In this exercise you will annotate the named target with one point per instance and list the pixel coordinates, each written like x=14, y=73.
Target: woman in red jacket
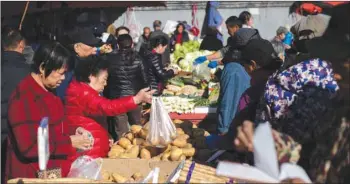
x=87, y=109
x=29, y=103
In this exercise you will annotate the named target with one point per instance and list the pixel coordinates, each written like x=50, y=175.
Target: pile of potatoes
x=134, y=145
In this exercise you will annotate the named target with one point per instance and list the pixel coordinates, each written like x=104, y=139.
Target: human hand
x=244, y=139
x=81, y=142
x=82, y=131
x=175, y=71
x=144, y=95
x=84, y=50
x=213, y=64
x=200, y=60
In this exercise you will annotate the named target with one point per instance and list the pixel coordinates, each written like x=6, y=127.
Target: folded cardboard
x=127, y=167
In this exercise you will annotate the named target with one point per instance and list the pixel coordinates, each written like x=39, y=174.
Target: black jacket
x=126, y=76
x=13, y=69
x=211, y=42
x=238, y=42
x=155, y=69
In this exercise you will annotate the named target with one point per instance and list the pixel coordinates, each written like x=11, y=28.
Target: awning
x=12, y=8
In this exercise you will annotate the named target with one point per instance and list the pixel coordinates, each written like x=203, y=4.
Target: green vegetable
x=177, y=81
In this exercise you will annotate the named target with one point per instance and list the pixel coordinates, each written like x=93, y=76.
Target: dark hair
x=124, y=41
x=245, y=16
x=158, y=40
x=233, y=21
x=11, y=38
x=90, y=66
x=126, y=52
x=177, y=27
x=212, y=31
x=51, y=56
x=121, y=28
x=157, y=23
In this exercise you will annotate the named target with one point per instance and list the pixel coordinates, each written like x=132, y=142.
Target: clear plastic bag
x=86, y=167
x=162, y=131
x=201, y=72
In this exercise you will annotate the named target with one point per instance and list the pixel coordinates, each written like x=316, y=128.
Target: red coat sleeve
x=100, y=106
x=24, y=117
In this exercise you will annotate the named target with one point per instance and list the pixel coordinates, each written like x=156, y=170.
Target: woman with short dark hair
x=179, y=37
x=29, y=103
x=87, y=109
x=157, y=75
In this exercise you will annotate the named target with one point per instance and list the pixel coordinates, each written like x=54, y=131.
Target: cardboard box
x=127, y=167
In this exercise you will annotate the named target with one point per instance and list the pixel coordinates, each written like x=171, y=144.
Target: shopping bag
x=86, y=167
x=202, y=72
x=162, y=131
x=134, y=26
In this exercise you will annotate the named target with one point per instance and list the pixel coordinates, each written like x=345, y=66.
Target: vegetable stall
x=192, y=96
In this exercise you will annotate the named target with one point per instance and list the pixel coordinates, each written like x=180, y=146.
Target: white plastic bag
x=170, y=26
x=162, y=131
x=86, y=167
x=202, y=71
x=134, y=26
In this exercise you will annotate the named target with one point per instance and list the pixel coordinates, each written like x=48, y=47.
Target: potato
x=194, y=126
x=179, y=131
x=206, y=134
x=115, y=153
x=188, y=145
x=143, y=133
x=135, y=129
x=153, y=150
x=129, y=147
x=156, y=158
x=137, y=176
x=145, y=154
x=106, y=176
x=175, y=154
x=117, y=147
x=188, y=152
x=129, y=136
x=182, y=157
x=165, y=156
x=133, y=152
x=155, y=142
x=119, y=178
x=138, y=141
x=146, y=144
x=124, y=142
x=174, y=148
x=146, y=126
x=178, y=142
x=183, y=136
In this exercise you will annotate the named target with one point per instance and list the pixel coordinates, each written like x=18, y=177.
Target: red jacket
x=28, y=104
x=85, y=108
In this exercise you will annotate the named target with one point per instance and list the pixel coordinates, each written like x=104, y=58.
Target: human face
x=99, y=82
x=180, y=29
x=146, y=32
x=54, y=79
x=161, y=49
x=232, y=30
x=282, y=36
x=250, y=22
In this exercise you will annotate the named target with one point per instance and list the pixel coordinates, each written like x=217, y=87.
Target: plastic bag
x=202, y=72
x=86, y=167
x=134, y=26
x=162, y=131
x=170, y=27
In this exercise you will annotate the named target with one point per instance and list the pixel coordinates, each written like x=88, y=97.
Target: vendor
x=156, y=72
x=179, y=37
x=29, y=103
x=85, y=108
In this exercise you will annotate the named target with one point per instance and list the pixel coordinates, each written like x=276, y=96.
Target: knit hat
x=242, y=37
x=282, y=30
x=259, y=50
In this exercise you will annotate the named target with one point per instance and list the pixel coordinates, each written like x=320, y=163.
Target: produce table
x=200, y=114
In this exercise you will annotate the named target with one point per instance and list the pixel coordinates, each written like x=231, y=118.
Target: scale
x=43, y=145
